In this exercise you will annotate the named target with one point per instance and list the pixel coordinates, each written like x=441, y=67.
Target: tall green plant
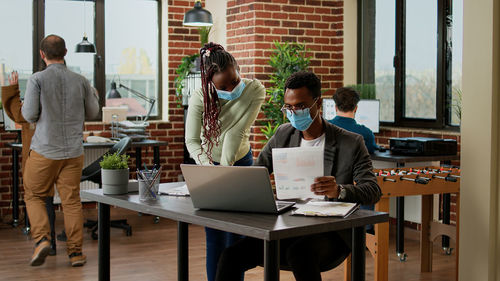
x=188, y=62
x=287, y=58
x=204, y=31
x=366, y=91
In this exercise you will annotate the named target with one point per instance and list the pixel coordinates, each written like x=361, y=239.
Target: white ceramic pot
x=114, y=181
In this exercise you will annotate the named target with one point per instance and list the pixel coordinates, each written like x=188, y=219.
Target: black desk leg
x=358, y=253
x=103, y=242
x=272, y=260
x=446, y=220
x=15, y=187
x=182, y=252
x=156, y=155
x=400, y=228
x=138, y=157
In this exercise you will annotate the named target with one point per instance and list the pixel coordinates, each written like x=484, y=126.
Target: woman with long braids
x=218, y=126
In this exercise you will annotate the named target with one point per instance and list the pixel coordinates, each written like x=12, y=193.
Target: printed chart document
x=295, y=169
x=326, y=209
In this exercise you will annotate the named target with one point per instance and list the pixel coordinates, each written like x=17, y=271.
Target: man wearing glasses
x=347, y=176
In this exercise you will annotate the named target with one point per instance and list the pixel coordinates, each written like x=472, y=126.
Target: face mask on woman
x=301, y=118
x=234, y=94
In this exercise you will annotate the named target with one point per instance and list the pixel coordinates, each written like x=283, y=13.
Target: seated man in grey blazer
x=347, y=176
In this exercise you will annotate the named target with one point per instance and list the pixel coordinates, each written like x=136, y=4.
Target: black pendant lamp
x=85, y=46
x=198, y=16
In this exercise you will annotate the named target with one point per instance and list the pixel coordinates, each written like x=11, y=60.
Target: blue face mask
x=234, y=94
x=301, y=119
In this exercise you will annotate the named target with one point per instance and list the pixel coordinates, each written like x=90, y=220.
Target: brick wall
x=252, y=26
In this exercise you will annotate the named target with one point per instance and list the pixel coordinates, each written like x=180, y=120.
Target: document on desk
x=295, y=169
x=326, y=209
x=169, y=189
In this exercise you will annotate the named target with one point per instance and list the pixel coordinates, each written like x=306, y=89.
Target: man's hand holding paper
x=326, y=186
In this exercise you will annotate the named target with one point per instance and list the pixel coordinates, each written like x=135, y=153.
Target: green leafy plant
x=366, y=91
x=183, y=70
x=287, y=58
x=114, y=161
x=204, y=32
x=188, y=63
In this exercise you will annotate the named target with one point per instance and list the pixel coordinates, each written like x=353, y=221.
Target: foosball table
x=400, y=182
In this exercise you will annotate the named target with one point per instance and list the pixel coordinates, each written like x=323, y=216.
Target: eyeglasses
x=294, y=108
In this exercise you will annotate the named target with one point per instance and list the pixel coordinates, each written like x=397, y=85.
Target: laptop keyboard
x=281, y=205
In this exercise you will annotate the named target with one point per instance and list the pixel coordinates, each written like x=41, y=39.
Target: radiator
x=91, y=154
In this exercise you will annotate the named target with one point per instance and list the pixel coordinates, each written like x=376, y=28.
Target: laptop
x=231, y=188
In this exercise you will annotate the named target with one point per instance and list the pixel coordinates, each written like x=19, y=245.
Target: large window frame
x=100, y=44
x=444, y=109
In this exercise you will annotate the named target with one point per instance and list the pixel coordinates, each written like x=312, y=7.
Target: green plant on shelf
x=286, y=58
x=114, y=161
x=366, y=91
x=188, y=63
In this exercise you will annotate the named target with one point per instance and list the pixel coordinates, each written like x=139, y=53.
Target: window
x=414, y=66
x=421, y=59
x=132, y=51
x=79, y=16
x=457, y=46
x=17, y=43
x=126, y=34
x=385, y=27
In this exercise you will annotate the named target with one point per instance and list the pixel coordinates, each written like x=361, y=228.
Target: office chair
x=93, y=173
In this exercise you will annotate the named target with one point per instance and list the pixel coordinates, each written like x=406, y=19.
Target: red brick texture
x=252, y=26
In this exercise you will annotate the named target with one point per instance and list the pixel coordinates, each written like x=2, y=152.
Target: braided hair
x=214, y=59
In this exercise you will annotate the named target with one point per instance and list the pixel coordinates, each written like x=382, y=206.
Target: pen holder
x=148, y=188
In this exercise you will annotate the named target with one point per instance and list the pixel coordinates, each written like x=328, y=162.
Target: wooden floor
x=150, y=254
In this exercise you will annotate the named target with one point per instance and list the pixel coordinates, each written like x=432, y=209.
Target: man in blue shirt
x=346, y=104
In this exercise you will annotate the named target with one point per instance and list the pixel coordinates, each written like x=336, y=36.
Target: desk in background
x=17, y=147
x=270, y=228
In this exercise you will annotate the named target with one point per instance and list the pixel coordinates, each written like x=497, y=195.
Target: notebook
x=326, y=209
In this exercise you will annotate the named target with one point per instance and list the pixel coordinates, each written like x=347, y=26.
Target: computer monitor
x=9, y=124
x=368, y=113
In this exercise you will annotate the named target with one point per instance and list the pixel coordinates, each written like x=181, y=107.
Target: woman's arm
x=11, y=100
x=193, y=129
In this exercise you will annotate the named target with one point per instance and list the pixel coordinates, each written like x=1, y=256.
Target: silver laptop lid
x=230, y=188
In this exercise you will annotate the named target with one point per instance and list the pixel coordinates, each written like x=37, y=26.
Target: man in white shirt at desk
x=346, y=161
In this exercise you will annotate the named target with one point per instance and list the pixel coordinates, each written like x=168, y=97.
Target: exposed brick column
x=253, y=25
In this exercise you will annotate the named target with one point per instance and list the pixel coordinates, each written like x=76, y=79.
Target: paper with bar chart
x=295, y=169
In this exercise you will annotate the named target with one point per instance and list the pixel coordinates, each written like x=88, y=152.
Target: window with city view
x=421, y=59
x=132, y=52
x=78, y=17
x=411, y=50
x=16, y=52
x=385, y=30
x=457, y=46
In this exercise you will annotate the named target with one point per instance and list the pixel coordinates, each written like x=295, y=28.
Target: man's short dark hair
x=346, y=99
x=304, y=79
x=53, y=47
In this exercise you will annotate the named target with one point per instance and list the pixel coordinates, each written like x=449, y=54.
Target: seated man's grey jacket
x=345, y=157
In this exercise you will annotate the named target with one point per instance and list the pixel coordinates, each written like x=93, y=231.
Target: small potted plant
x=115, y=173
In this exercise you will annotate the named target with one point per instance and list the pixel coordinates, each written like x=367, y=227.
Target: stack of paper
x=169, y=189
x=326, y=209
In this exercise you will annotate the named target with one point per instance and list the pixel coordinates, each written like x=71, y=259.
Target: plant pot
x=115, y=181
